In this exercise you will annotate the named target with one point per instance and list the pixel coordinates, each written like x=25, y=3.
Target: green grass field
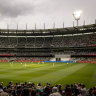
x=59, y=73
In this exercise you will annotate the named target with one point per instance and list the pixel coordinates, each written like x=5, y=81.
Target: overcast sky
x=31, y=12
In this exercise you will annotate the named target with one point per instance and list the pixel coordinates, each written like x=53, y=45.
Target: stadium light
x=77, y=15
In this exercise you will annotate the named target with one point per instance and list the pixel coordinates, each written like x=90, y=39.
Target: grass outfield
x=60, y=73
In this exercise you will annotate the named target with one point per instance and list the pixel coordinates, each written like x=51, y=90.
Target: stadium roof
x=50, y=32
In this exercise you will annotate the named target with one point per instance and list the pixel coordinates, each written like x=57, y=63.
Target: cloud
x=45, y=11
x=15, y=8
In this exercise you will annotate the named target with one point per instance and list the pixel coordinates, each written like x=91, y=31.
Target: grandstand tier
x=24, y=44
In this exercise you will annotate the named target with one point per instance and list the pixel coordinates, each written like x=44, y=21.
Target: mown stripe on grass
x=27, y=70
x=92, y=81
x=83, y=75
x=39, y=73
x=20, y=67
x=45, y=70
x=14, y=74
x=56, y=76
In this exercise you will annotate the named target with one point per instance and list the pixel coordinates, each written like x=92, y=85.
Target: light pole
x=77, y=15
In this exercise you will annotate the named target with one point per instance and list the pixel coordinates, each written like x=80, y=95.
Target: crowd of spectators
x=42, y=53
x=31, y=89
x=41, y=42
x=83, y=59
x=26, y=58
x=45, y=42
x=76, y=53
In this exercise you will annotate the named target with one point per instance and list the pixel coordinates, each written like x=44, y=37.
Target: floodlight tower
x=77, y=15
